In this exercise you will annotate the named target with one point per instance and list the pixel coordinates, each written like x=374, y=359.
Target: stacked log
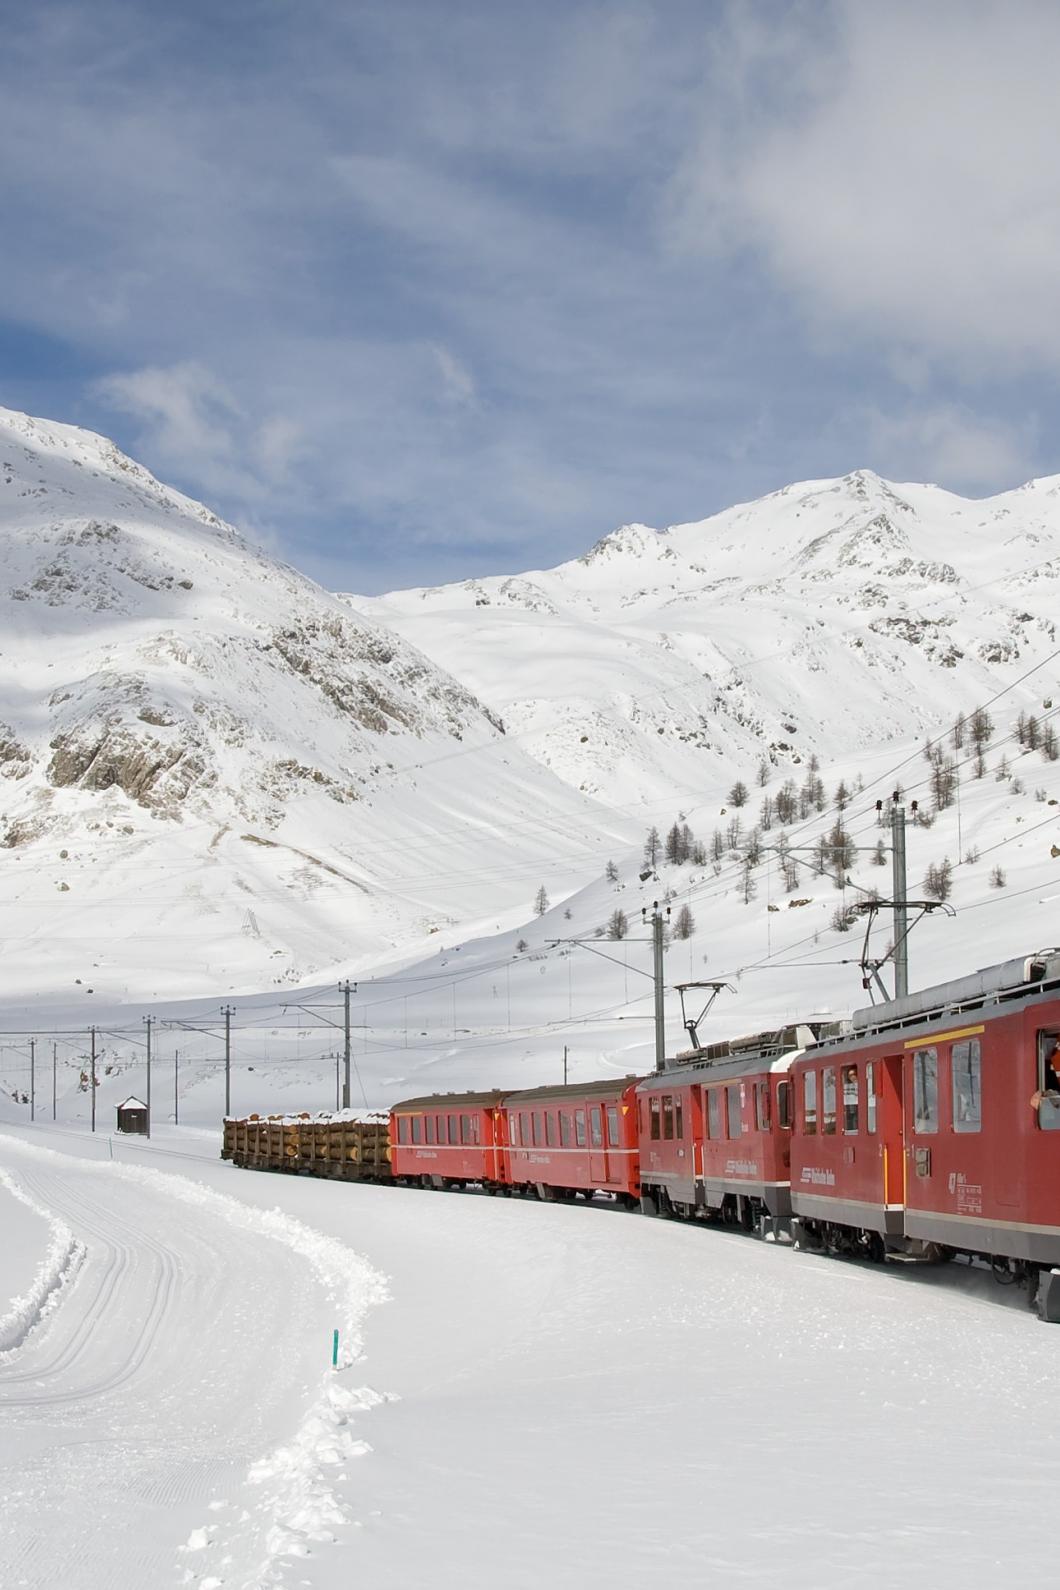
x=343, y=1146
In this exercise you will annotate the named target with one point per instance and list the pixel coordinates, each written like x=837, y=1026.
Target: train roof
x=439, y=1102
x=1013, y=979
x=609, y=1087
x=762, y=1047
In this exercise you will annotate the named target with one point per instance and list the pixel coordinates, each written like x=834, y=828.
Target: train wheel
x=648, y=1205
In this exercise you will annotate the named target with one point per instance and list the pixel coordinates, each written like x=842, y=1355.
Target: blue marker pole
x=334, y=1349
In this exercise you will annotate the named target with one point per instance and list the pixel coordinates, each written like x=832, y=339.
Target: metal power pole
x=176, y=1087
x=227, y=1012
x=92, y=1030
x=564, y=1065
x=33, y=1079
x=898, y=887
x=657, y=978
x=147, y=1023
x=346, y=989
x=55, y=1083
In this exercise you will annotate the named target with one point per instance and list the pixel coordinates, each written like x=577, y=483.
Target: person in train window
x=1046, y=1100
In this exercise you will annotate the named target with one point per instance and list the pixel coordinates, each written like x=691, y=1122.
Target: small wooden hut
x=132, y=1117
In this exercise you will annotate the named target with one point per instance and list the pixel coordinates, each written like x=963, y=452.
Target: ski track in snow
x=56, y=1267
x=185, y=1348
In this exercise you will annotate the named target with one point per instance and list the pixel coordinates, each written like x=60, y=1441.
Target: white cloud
x=903, y=180
x=947, y=443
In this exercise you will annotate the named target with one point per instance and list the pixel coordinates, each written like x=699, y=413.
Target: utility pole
x=338, y=1085
x=657, y=920
x=33, y=1079
x=92, y=1030
x=147, y=1023
x=898, y=888
x=55, y=1085
x=346, y=989
x=176, y=1091
x=227, y=1012
x=564, y=1065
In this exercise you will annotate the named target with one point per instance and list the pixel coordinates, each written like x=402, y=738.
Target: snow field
x=184, y=1385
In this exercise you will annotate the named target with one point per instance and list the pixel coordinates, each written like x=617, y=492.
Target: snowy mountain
x=661, y=656
x=210, y=769
x=218, y=779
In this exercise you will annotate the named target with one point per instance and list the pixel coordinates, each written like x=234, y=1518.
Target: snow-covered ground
x=571, y=1397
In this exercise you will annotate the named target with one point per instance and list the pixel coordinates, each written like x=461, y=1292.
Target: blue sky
x=423, y=289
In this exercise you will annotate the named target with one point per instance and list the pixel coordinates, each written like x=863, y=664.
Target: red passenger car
x=714, y=1130
x=579, y=1138
x=935, y=1127
x=448, y=1140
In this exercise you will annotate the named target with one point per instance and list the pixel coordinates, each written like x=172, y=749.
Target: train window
x=679, y=1118
x=714, y=1112
x=550, y=1129
x=535, y=1128
x=454, y=1129
x=926, y=1090
x=614, y=1140
x=524, y=1128
x=443, y=1130
x=733, y=1110
x=1048, y=1094
x=579, y=1128
x=653, y=1105
x=564, y=1129
x=476, y=1129
x=668, y=1117
x=403, y=1129
x=762, y=1106
x=417, y=1128
x=465, y=1129
x=809, y=1103
x=784, y=1106
x=428, y=1129
x=870, y=1096
x=828, y=1101
x=596, y=1127
x=966, y=1068
x=850, y=1098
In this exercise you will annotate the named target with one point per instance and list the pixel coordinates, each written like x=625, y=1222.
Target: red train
x=923, y=1128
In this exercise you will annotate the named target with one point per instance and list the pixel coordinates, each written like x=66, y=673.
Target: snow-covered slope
x=212, y=773
x=640, y=668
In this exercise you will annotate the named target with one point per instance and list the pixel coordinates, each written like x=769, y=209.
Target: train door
x=891, y=1126
x=499, y=1157
x=924, y=1082
x=613, y=1142
x=597, y=1151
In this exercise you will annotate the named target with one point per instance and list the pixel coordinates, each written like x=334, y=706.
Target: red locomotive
x=715, y=1129
x=933, y=1128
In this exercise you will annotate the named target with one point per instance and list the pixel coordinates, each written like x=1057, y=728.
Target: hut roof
x=133, y=1103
